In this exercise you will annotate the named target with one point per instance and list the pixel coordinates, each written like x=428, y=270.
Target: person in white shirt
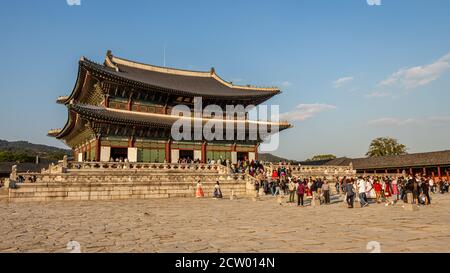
x=362, y=189
x=431, y=183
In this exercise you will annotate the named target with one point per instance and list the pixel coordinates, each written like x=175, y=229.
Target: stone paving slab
x=210, y=226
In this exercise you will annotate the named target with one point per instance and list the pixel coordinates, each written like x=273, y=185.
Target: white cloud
x=378, y=94
x=341, y=81
x=286, y=84
x=440, y=118
x=236, y=80
x=391, y=122
x=305, y=111
x=413, y=77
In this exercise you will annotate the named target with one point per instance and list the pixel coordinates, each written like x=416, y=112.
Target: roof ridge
x=111, y=61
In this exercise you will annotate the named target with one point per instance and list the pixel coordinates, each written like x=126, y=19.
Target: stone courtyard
x=208, y=225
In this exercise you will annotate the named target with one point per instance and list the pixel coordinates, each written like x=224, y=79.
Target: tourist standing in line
x=319, y=184
x=217, y=191
x=326, y=192
x=416, y=191
x=431, y=184
x=350, y=194
x=291, y=191
x=337, y=185
x=309, y=188
x=362, y=189
x=426, y=192
x=395, y=189
x=377, y=187
x=277, y=188
x=300, y=192
x=257, y=189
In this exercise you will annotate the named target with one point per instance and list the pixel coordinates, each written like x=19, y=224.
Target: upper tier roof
x=183, y=82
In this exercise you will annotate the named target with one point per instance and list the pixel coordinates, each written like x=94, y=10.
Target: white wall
x=233, y=157
x=132, y=155
x=80, y=157
x=197, y=154
x=174, y=155
x=105, y=154
x=251, y=156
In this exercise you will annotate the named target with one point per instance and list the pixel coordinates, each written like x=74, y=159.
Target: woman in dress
x=377, y=187
x=308, y=188
x=388, y=192
x=199, y=192
x=395, y=189
x=217, y=191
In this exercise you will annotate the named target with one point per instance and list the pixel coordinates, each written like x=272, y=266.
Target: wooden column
x=83, y=151
x=204, y=152
x=131, y=141
x=97, y=149
x=168, y=151
x=398, y=171
x=448, y=176
x=424, y=171
x=106, y=101
x=439, y=171
x=89, y=151
x=386, y=171
x=130, y=104
x=411, y=171
x=256, y=151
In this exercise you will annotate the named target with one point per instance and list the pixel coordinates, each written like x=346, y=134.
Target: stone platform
x=153, y=181
x=122, y=186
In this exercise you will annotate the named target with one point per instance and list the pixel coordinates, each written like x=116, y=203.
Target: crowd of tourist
x=379, y=189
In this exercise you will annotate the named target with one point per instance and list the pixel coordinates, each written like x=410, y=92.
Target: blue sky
x=349, y=72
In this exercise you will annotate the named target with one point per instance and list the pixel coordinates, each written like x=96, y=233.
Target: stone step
x=65, y=190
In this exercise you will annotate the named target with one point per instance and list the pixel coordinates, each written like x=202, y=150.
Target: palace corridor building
x=122, y=109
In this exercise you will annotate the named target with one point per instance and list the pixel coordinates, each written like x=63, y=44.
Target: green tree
x=7, y=156
x=383, y=146
x=322, y=157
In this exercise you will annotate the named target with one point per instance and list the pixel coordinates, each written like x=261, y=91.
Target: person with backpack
x=300, y=192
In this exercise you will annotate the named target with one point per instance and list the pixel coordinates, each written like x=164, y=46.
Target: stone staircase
x=128, y=181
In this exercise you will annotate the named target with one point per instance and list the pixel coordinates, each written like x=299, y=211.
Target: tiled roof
x=396, y=161
x=137, y=118
x=181, y=82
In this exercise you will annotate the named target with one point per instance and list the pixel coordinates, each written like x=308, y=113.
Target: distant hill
x=272, y=158
x=23, y=151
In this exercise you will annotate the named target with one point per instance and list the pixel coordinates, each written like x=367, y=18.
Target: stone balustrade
x=122, y=166
x=305, y=171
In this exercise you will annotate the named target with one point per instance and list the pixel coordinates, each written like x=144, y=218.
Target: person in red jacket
x=377, y=187
x=300, y=192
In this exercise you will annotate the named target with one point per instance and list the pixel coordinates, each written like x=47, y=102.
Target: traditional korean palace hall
x=121, y=109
